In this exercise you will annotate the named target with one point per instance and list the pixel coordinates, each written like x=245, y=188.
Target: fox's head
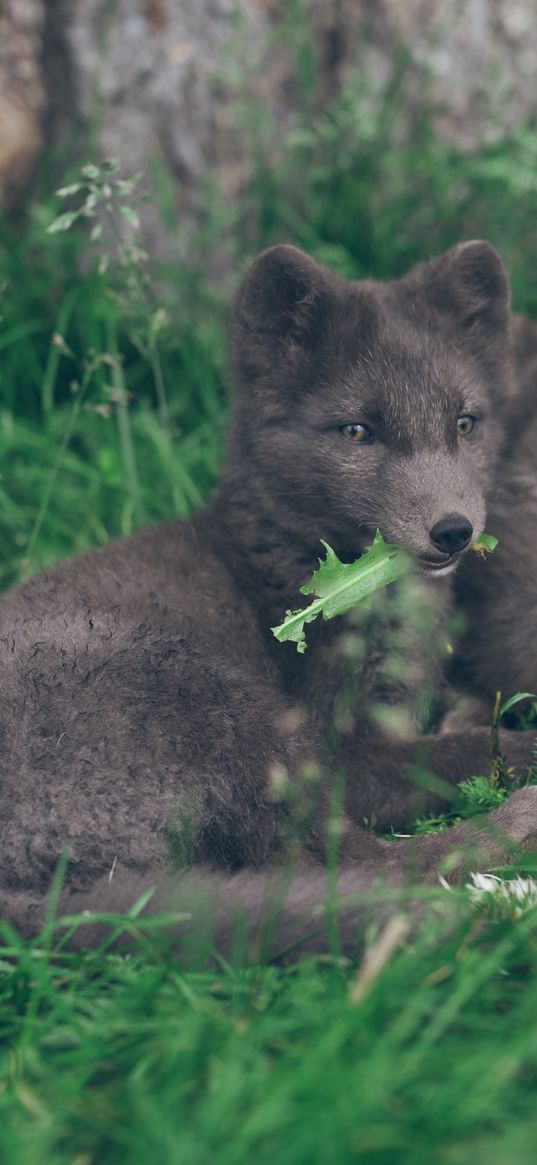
x=365, y=405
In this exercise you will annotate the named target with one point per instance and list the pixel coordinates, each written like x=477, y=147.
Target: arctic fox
x=149, y=720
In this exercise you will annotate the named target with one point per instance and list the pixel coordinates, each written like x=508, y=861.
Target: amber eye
x=359, y=433
x=465, y=425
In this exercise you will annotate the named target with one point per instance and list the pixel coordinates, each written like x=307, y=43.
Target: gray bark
x=164, y=81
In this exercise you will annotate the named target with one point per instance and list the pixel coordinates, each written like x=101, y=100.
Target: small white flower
x=518, y=893
x=484, y=884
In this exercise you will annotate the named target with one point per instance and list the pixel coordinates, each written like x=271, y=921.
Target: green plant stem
x=51, y=482
x=497, y=770
x=124, y=426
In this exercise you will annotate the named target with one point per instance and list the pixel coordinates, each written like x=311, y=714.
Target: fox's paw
x=480, y=843
x=517, y=819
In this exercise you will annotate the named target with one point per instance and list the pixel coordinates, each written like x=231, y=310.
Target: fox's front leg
x=390, y=783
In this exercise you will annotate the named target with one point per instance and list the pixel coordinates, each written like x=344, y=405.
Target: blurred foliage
x=366, y=185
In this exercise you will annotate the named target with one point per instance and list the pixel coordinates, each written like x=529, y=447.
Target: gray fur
x=499, y=649
x=149, y=720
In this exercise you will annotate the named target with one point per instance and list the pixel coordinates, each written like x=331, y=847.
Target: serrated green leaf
x=339, y=586
x=485, y=544
x=292, y=628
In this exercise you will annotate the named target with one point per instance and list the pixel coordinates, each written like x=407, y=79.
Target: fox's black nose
x=451, y=534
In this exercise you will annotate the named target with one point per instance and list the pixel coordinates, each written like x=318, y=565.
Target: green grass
x=108, y=1059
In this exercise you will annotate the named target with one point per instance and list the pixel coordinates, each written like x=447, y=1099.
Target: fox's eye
x=359, y=433
x=465, y=425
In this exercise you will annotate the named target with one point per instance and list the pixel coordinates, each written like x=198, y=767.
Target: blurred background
x=184, y=136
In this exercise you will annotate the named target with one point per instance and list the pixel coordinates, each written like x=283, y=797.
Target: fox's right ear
x=479, y=286
x=279, y=310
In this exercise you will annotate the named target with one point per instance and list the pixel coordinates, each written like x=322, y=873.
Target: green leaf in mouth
x=339, y=586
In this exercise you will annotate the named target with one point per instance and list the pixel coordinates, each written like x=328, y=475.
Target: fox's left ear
x=477, y=287
x=281, y=309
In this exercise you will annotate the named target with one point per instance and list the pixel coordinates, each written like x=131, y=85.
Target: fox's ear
x=279, y=310
x=478, y=286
